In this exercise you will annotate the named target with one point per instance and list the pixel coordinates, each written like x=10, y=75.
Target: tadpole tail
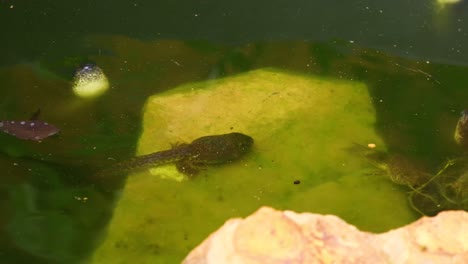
x=141, y=163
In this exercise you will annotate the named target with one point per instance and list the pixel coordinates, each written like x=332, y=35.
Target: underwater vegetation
x=429, y=194
x=446, y=190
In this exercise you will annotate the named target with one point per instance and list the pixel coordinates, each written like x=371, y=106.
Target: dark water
x=411, y=54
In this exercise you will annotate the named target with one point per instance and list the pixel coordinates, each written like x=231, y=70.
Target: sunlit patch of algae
x=303, y=127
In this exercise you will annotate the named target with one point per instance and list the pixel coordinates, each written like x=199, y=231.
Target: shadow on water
x=55, y=210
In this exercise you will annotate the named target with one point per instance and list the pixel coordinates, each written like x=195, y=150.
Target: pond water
x=411, y=55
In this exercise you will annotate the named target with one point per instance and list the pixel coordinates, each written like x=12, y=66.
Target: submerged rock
x=303, y=126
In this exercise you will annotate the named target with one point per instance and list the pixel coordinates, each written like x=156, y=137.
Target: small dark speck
x=297, y=182
x=231, y=128
x=120, y=244
x=150, y=221
x=154, y=248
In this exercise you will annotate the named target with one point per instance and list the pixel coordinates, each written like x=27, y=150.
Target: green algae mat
x=303, y=128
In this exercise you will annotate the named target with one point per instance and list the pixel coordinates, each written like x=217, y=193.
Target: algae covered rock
x=303, y=128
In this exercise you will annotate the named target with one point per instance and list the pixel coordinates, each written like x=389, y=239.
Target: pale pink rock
x=271, y=236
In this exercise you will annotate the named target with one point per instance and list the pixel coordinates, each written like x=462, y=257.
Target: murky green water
x=53, y=209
